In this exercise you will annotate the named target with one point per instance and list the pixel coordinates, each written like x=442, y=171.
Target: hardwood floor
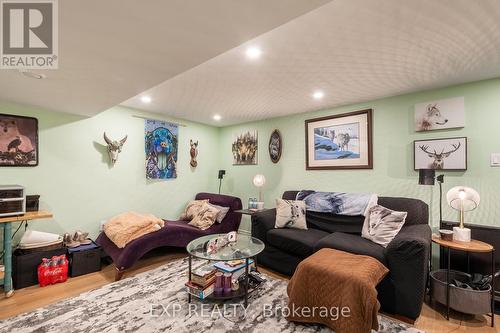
x=28, y=299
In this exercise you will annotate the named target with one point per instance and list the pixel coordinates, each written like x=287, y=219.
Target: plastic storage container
x=84, y=259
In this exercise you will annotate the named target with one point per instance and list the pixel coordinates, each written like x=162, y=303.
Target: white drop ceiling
x=112, y=50
x=189, y=56
x=352, y=50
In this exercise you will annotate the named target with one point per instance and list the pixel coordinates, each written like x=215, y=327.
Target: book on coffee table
x=198, y=291
x=204, y=275
x=228, y=267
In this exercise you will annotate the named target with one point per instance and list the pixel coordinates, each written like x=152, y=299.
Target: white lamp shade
x=259, y=180
x=467, y=196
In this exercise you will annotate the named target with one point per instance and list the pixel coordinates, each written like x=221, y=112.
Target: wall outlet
x=495, y=159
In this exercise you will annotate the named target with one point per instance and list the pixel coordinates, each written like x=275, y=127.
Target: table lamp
x=463, y=199
x=259, y=181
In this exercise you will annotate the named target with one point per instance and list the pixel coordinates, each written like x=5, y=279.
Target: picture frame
x=440, y=114
x=245, y=147
x=18, y=141
x=161, y=143
x=342, y=141
x=441, y=154
x=275, y=146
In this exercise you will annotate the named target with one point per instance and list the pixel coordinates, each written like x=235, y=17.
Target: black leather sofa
x=407, y=257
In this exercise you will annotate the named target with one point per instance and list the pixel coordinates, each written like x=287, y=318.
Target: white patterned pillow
x=290, y=214
x=205, y=217
x=382, y=224
x=222, y=214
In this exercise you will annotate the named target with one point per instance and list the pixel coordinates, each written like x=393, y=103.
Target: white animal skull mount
x=114, y=147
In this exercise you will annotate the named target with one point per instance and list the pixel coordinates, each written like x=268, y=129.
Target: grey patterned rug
x=155, y=301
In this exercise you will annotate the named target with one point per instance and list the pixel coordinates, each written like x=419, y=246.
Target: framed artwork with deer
x=441, y=154
x=342, y=141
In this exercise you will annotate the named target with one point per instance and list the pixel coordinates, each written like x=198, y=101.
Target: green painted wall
x=77, y=184
x=79, y=187
x=393, y=135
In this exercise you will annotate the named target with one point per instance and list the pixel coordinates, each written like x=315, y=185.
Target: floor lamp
x=221, y=176
x=428, y=177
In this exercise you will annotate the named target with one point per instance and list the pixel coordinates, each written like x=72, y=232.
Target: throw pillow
x=290, y=214
x=382, y=224
x=192, y=208
x=222, y=214
x=205, y=217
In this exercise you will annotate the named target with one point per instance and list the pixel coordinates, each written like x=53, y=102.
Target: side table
x=250, y=211
x=6, y=223
x=473, y=246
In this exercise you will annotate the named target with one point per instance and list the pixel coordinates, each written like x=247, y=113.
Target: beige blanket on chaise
x=124, y=228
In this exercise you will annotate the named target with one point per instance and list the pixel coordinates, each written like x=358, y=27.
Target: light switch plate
x=495, y=159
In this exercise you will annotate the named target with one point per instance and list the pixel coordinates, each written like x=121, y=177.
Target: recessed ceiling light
x=217, y=117
x=318, y=94
x=146, y=99
x=32, y=75
x=253, y=52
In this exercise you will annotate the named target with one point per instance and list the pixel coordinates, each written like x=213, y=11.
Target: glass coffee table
x=245, y=248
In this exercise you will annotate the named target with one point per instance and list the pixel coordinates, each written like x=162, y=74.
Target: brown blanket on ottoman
x=337, y=289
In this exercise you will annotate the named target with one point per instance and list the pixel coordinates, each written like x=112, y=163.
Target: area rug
x=156, y=301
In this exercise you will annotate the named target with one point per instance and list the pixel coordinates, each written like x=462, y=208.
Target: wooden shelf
x=472, y=246
x=26, y=217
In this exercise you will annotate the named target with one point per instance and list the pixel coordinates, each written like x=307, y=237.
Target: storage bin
x=462, y=300
x=84, y=259
x=25, y=266
x=32, y=203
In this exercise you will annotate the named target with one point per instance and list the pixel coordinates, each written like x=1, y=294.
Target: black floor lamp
x=221, y=175
x=428, y=177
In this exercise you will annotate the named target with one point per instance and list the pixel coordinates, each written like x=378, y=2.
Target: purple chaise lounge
x=174, y=233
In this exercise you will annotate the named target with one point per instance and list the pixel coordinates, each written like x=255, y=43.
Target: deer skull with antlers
x=438, y=162
x=114, y=147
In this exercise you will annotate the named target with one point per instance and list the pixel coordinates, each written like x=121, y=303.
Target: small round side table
x=474, y=246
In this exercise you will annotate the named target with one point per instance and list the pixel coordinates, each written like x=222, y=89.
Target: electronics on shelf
x=12, y=200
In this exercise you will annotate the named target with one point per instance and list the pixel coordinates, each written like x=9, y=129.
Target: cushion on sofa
x=383, y=224
x=192, y=208
x=334, y=223
x=330, y=222
x=205, y=217
x=222, y=212
x=290, y=214
x=296, y=241
x=418, y=211
x=353, y=244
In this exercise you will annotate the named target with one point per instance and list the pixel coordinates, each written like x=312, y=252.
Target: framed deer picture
x=342, y=141
x=441, y=154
